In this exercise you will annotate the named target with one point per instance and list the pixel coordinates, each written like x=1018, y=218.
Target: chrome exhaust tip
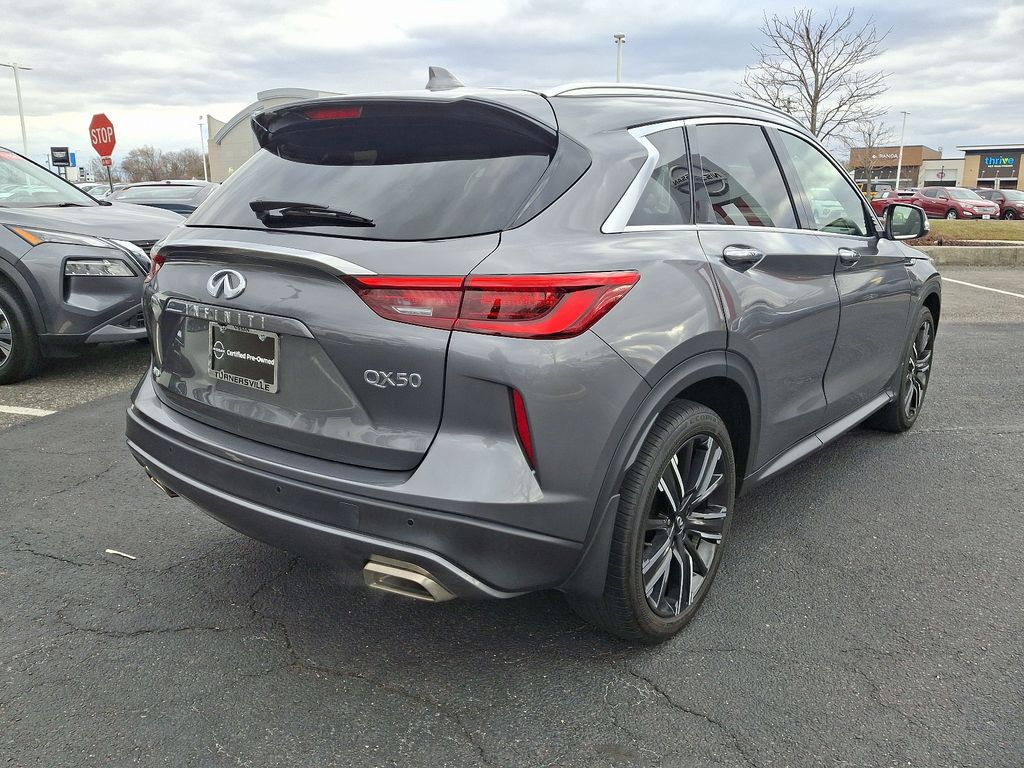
x=162, y=487
x=404, y=579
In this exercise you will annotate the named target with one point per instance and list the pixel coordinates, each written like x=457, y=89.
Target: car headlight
x=34, y=237
x=137, y=253
x=97, y=268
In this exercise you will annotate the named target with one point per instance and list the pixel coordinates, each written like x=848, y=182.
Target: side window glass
x=835, y=204
x=666, y=198
x=737, y=179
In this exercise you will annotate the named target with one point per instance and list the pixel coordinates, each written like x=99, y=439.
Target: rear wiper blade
x=285, y=213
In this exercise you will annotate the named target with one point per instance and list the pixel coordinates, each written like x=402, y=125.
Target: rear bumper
x=469, y=557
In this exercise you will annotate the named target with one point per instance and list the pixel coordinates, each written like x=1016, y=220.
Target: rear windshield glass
x=417, y=170
x=162, y=192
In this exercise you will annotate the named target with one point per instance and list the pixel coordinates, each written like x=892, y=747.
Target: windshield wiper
x=284, y=213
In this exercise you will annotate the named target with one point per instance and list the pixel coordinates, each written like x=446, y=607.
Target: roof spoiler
x=440, y=79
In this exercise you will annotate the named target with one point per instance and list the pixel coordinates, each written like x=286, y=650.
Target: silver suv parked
x=483, y=342
x=71, y=267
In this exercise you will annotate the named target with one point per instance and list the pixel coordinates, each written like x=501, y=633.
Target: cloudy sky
x=155, y=67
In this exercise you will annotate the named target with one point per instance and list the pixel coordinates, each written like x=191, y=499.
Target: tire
x=19, y=347
x=914, y=374
x=1009, y=215
x=664, y=542
x=952, y=214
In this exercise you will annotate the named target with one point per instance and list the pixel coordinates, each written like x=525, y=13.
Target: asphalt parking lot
x=869, y=611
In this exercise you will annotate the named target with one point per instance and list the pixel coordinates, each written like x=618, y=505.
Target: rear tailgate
x=418, y=185
x=324, y=375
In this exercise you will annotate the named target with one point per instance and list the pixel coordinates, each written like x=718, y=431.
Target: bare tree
x=183, y=164
x=814, y=68
x=143, y=164
x=865, y=139
x=99, y=171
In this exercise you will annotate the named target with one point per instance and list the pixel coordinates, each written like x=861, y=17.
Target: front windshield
x=24, y=184
x=1013, y=195
x=964, y=194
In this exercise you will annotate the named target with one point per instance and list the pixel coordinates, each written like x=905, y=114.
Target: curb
x=975, y=256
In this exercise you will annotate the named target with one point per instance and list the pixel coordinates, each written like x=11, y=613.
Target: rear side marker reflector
x=522, y=427
x=522, y=306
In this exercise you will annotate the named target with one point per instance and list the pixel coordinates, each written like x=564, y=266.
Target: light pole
x=202, y=150
x=899, y=162
x=620, y=39
x=21, y=110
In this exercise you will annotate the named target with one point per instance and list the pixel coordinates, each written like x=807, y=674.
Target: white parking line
x=983, y=287
x=18, y=411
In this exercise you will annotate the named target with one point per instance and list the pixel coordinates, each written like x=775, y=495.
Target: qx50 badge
x=225, y=282
x=385, y=379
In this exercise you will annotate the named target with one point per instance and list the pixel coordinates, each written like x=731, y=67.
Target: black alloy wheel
x=685, y=525
x=6, y=338
x=918, y=368
x=911, y=380
x=672, y=521
x=19, y=344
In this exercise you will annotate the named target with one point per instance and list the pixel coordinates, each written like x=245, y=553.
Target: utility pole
x=620, y=39
x=202, y=149
x=21, y=110
x=899, y=162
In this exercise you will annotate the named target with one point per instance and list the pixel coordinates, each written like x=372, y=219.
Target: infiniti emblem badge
x=227, y=283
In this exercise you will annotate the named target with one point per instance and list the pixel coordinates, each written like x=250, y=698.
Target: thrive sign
x=1000, y=161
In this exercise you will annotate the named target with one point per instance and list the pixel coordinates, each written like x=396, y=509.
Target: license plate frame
x=986, y=215
x=232, y=368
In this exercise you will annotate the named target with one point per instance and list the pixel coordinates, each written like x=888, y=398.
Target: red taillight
x=334, y=113
x=430, y=301
x=523, y=306
x=155, y=262
x=522, y=427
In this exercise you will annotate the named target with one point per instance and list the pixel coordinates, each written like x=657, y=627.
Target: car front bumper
x=83, y=309
x=345, y=523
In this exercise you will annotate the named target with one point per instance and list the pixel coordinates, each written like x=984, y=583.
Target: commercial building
x=996, y=166
x=944, y=172
x=875, y=168
x=987, y=165
x=232, y=142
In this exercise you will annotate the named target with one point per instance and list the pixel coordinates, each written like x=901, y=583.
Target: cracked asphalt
x=870, y=612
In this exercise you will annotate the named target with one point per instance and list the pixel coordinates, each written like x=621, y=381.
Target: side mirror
x=905, y=222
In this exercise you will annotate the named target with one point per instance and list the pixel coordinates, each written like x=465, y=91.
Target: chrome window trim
x=623, y=210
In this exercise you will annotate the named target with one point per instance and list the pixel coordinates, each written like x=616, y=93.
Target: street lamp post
x=202, y=150
x=620, y=39
x=21, y=110
x=899, y=162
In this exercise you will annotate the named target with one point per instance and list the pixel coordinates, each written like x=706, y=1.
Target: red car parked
x=886, y=198
x=1010, y=201
x=954, y=203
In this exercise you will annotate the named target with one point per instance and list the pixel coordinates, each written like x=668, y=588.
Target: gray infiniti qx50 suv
x=480, y=342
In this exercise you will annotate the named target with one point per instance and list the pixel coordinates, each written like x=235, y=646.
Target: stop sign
x=101, y=134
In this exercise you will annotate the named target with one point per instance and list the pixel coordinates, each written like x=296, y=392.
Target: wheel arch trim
x=28, y=296
x=588, y=577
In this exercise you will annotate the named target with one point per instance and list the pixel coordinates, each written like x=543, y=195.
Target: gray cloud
x=160, y=64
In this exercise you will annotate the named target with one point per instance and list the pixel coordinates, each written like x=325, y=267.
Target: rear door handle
x=741, y=257
x=848, y=257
